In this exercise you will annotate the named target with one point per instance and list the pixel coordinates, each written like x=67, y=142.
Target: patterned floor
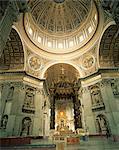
x=91, y=144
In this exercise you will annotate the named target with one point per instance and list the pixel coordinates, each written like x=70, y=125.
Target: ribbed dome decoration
x=59, y=16
x=61, y=26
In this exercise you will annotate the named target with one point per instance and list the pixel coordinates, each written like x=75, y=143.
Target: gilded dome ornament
x=61, y=26
x=34, y=63
x=88, y=62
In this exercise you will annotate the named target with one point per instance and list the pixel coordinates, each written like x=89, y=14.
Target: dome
x=52, y=25
x=59, y=16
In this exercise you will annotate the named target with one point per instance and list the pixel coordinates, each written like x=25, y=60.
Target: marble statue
x=29, y=98
x=26, y=124
x=4, y=121
x=10, y=93
x=96, y=95
x=114, y=86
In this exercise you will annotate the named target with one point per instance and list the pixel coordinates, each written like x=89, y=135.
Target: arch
x=105, y=28
x=109, y=46
x=21, y=38
x=13, y=54
x=64, y=62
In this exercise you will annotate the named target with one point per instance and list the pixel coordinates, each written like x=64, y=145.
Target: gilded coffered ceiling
x=109, y=48
x=58, y=16
x=13, y=54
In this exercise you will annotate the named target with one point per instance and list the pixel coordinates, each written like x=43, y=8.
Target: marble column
x=52, y=116
x=77, y=111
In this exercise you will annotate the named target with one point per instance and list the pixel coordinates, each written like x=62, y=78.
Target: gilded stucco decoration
x=61, y=27
x=59, y=17
x=88, y=62
x=35, y=63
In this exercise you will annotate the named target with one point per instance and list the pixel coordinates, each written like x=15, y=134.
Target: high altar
x=64, y=118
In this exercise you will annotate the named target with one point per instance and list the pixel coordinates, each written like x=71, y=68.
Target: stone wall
x=23, y=112
x=100, y=104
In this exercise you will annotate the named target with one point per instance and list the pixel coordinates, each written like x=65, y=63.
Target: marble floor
x=92, y=144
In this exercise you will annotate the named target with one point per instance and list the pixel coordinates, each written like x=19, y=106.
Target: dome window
x=81, y=38
x=71, y=43
x=49, y=44
x=90, y=29
x=30, y=31
x=39, y=39
x=60, y=45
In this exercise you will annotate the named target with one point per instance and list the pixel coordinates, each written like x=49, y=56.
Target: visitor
x=87, y=134
x=108, y=133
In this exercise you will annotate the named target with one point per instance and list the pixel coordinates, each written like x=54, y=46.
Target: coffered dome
x=59, y=16
x=60, y=24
